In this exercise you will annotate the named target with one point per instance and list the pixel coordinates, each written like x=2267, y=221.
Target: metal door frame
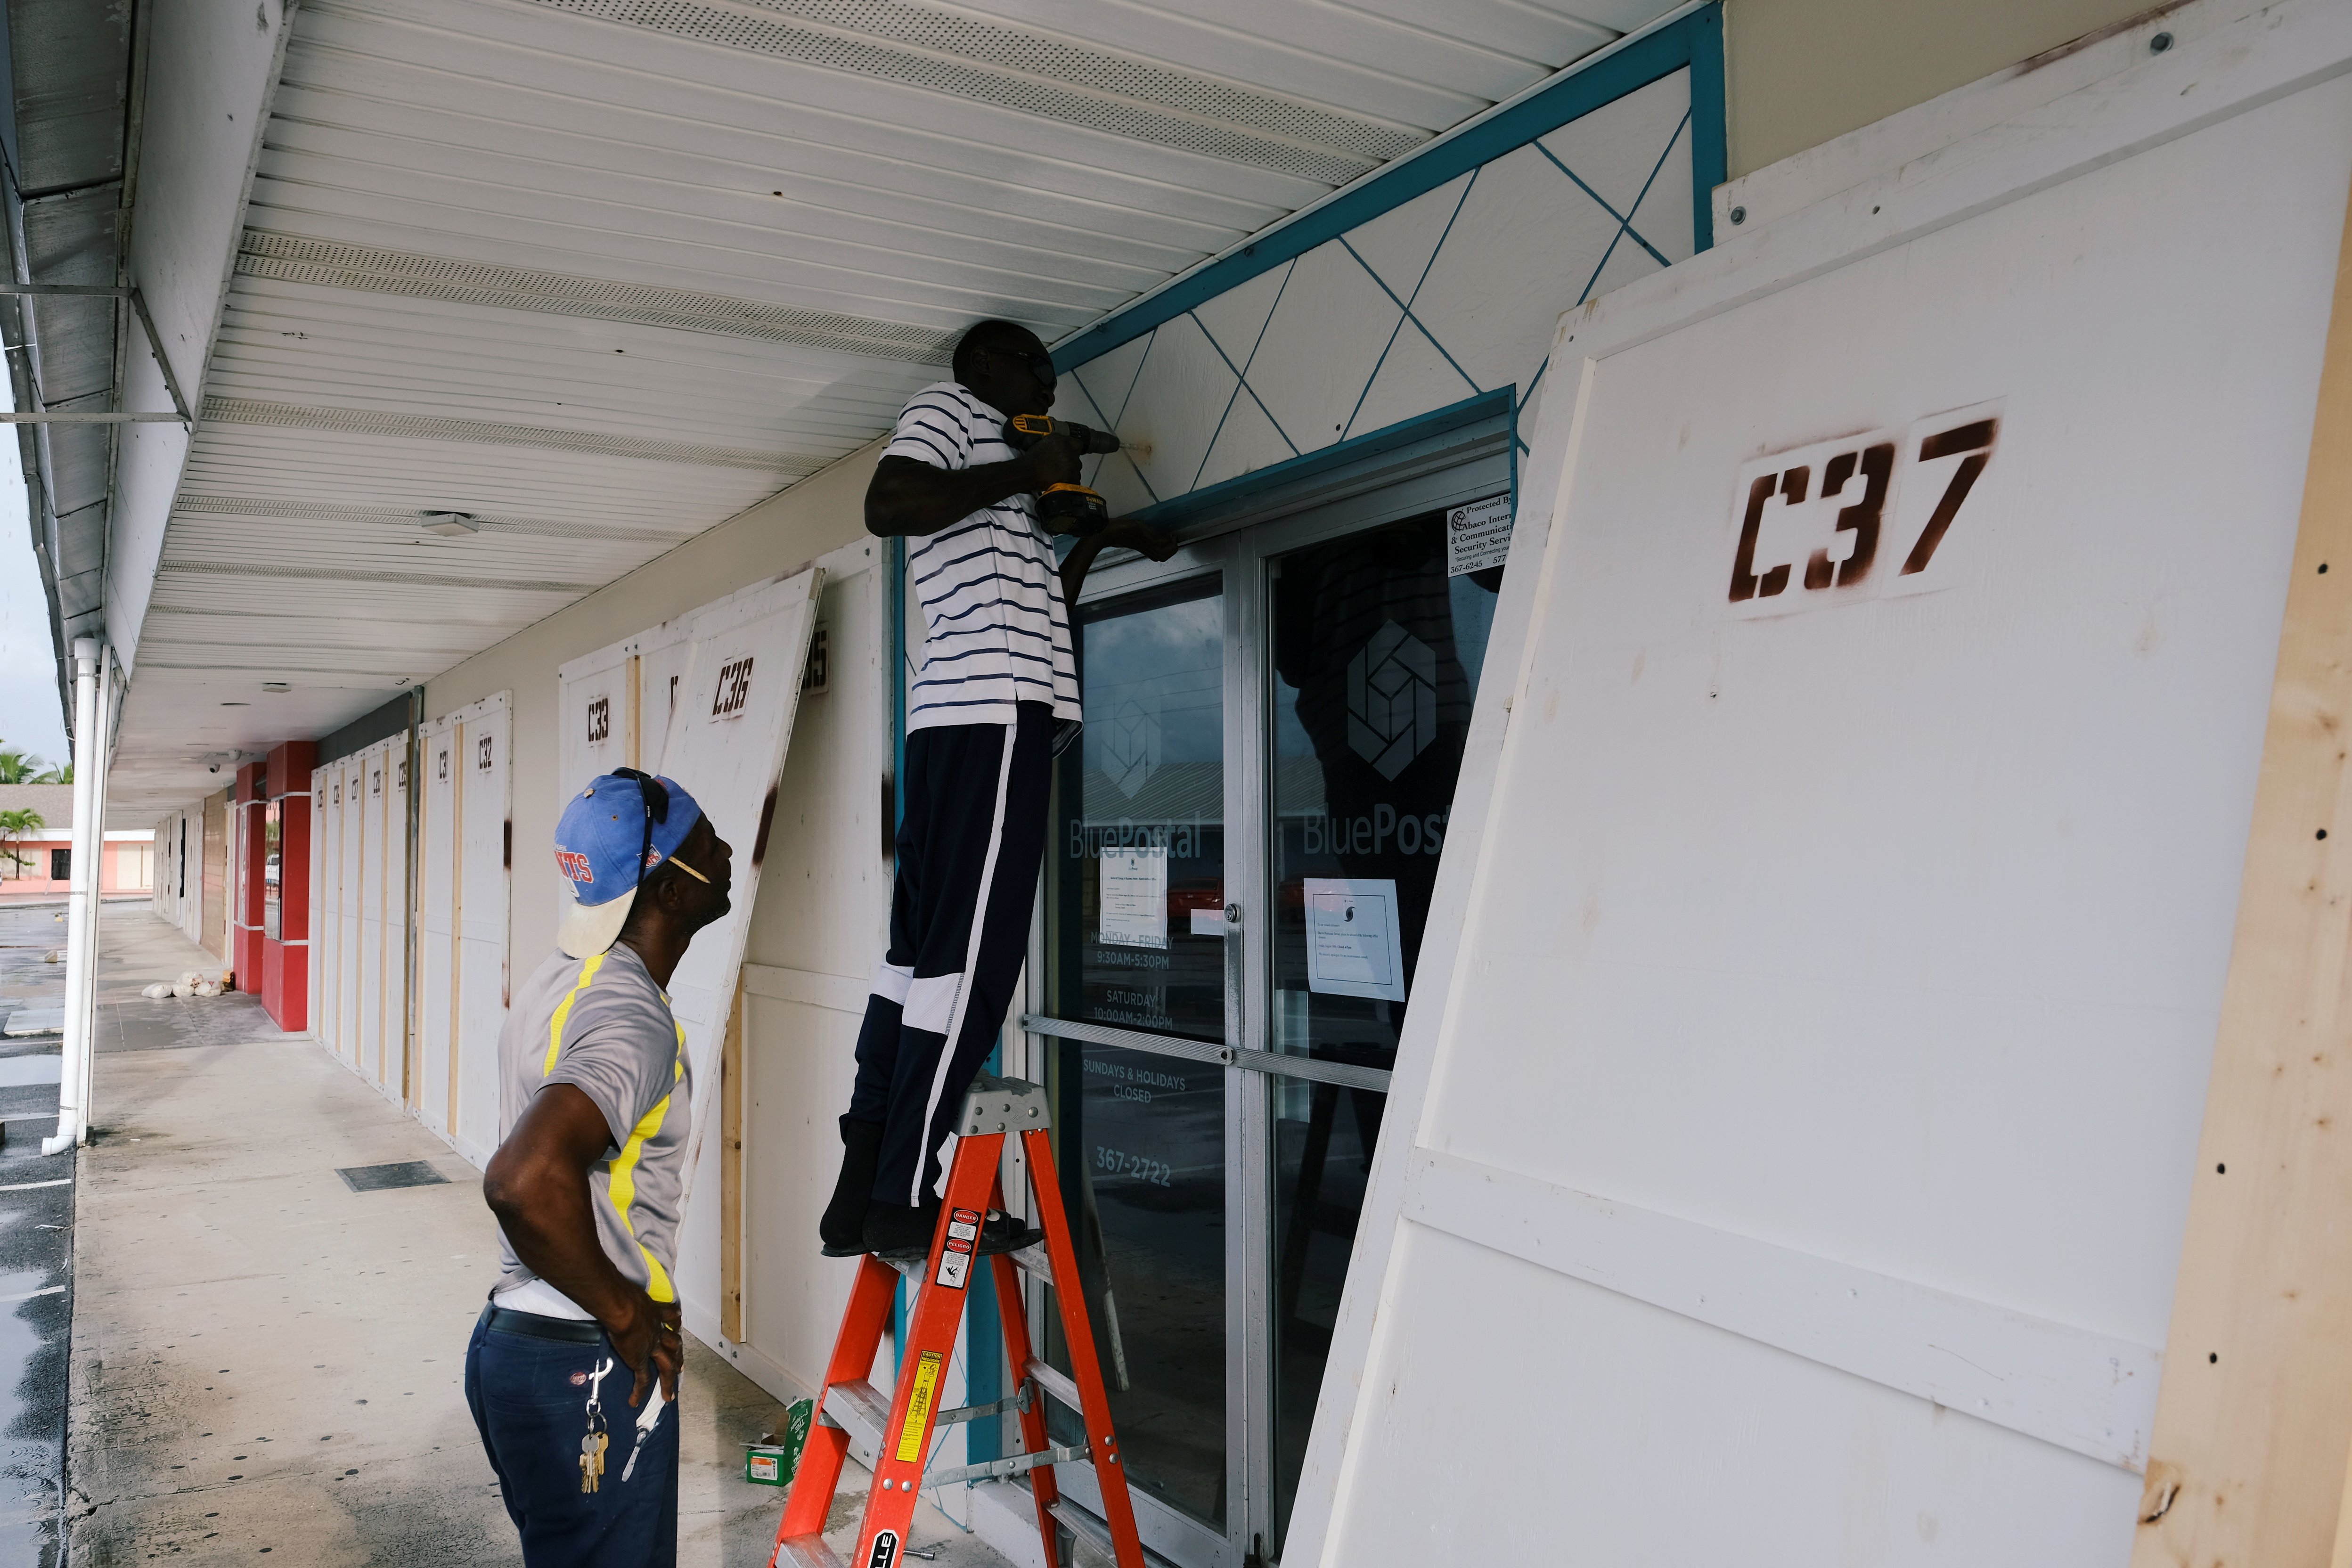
x=1455, y=467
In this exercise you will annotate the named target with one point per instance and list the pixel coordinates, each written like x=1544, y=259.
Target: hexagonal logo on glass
x=1391, y=699
x=1128, y=741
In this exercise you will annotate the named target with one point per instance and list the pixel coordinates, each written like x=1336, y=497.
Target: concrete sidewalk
x=265, y=1360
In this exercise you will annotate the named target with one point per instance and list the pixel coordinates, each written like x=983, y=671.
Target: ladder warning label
x=955, y=1256
x=955, y=1263
x=918, y=1406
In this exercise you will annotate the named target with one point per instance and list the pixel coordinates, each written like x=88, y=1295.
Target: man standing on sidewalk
x=996, y=699
x=594, y=1088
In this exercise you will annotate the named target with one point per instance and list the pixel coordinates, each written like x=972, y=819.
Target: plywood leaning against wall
x=723, y=684
x=819, y=925
x=738, y=696
x=1841, y=892
x=2254, y=1425
x=614, y=704
x=463, y=873
x=318, y=953
x=359, y=930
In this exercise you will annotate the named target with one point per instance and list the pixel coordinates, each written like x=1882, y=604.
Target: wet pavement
x=37, y=1215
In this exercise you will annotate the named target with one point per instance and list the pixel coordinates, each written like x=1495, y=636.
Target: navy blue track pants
x=968, y=850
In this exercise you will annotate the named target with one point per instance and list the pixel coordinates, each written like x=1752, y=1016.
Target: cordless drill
x=1064, y=509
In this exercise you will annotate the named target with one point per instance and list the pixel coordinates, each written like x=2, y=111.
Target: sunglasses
x=1040, y=365
x=655, y=794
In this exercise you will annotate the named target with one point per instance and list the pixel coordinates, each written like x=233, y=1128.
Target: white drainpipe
x=94, y=911
x=79, y=958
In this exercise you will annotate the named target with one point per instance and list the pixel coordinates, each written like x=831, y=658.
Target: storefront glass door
x=1137, y=859
x=1244, y=850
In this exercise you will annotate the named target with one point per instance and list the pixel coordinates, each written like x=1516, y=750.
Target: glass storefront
x=1244, y=850
x=1137, y=852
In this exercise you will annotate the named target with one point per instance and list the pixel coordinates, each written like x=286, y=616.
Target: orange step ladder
x=899, y=1433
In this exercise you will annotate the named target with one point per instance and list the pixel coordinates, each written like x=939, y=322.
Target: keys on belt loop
x=592, y=1445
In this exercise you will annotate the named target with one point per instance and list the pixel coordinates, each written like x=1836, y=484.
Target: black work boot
x=843, y=1228
x=898, y=1233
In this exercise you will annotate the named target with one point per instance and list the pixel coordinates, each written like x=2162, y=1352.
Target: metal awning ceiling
x=603, y=273
x=67, y=162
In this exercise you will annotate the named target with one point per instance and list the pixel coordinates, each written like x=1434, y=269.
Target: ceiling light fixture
x=452, y=524
x=276, y=686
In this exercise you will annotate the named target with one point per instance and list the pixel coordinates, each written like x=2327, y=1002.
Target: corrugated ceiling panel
x=889, y=169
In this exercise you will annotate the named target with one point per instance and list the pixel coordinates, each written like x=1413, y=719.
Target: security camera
x=215, y=767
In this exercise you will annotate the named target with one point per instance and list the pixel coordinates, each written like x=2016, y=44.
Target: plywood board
x=726, y=745
x=2255, y=1423
x=1828, y=957
x=730, y=1173
x=595, y=715
x=484, y=959
x=440, y=746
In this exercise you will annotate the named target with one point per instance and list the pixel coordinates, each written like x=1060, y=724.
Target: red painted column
x=246, y=799
x=286, y=940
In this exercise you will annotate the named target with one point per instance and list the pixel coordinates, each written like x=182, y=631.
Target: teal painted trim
x=1696, y=42
x=1224, y=496
x=1710, y=142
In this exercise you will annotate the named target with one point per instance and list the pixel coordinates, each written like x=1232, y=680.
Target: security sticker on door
x=1478, y=535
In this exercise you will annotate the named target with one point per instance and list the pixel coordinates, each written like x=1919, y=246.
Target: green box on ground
x=771, y=1463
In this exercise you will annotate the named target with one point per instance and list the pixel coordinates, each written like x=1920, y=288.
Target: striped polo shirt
x=995, y=631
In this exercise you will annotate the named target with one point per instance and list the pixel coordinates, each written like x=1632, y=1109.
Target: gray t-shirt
x=602, y=1026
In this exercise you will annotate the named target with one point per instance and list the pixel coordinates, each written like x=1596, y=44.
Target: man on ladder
x=995, y=701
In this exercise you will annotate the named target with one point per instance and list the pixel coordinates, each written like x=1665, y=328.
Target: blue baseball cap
x=611, y=837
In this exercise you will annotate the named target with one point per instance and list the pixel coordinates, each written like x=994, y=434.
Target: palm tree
x=15, y=824
x=20, y=767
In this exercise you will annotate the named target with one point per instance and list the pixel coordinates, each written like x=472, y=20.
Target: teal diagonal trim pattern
x=1408, y=315
x=1243, y=380
x=1468, y=186
x=1235, y=396
x=1112, y=421
x=1625, y=220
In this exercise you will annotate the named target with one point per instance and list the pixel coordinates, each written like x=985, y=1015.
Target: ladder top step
x=1003, y=1105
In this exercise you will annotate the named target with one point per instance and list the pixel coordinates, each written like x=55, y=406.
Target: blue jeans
x=530, y=1397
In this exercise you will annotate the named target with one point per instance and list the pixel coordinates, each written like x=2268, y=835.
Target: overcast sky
x=29, y=715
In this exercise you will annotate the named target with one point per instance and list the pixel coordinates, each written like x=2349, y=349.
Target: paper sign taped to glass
x=1353, y=948
x=1134, y=898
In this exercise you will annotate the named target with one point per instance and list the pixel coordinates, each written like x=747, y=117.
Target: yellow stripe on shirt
x=624, y=1184
x=588, y=969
